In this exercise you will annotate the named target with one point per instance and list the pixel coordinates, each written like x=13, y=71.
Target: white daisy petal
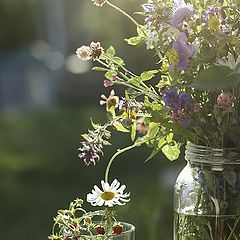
x=110, y=195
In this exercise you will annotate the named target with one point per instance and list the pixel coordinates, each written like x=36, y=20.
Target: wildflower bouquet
x=196, y=45
x=193, y=95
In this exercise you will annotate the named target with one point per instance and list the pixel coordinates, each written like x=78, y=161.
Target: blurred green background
x=47, y=97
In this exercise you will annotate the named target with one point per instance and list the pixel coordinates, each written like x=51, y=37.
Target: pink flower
x=107, y=83
x=225, y=100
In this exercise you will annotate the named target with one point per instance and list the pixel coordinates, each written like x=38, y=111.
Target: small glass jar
x=128, y=233
x=207, y=195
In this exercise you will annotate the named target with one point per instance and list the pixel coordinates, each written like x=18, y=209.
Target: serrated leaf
x=119, y=127
x=216, y=78
x=111, y=51
x=133, y=131
x=100, y=69
x=171, y=152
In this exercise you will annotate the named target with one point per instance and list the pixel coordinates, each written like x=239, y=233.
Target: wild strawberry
x=100, y=230
x=117, y=229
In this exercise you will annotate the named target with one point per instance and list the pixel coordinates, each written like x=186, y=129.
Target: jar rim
x=215, y=156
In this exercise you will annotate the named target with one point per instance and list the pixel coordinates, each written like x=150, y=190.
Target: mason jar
x=207, y=195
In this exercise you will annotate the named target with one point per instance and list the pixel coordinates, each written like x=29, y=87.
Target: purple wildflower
x=185, y=100
x=181, y=10
x=89, y=154
x=211, y=11
x=176, y=100
x=184, y=50
x=170, y=98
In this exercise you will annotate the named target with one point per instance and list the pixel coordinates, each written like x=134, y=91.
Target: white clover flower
x=84, y=53
x=110, y=195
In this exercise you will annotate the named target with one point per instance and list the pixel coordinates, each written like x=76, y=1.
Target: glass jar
x=128, y=233
x=207, y=195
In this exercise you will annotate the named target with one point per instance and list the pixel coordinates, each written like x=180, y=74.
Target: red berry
x=100, y=230
x=117, y=229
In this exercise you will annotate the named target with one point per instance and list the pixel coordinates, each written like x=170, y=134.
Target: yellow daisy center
x=106, y=196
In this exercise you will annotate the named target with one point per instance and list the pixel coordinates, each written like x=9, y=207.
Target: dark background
x=47, y=97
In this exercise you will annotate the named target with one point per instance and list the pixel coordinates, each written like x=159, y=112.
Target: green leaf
x=105, y=142
x=169, y=137
x=99, y=69
x=133, y=131
x=111, y=51
x=85, y=136
x=216, y=78
x=140, y=31
x=134, y=40
x=171, y=151
x=120, y=127
x=153, y=130
x=118, y=60
x=134, y=81
x=110, y=74
x=94, y=125
x=161, y=142
x=155, y=151
x=148, y=75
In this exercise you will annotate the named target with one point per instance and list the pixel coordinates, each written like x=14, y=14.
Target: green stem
x=122, y=12
x=120, y=151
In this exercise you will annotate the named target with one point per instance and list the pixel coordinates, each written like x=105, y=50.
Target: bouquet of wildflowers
x=197, y=49
x=192, y=95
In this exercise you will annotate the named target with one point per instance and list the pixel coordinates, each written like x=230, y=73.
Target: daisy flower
x=110, y=195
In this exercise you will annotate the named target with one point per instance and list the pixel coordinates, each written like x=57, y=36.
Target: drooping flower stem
x=122, y=12
x=120, y=151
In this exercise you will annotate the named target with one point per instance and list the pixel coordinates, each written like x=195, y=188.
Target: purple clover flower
x=181, y=10
x=185, y=51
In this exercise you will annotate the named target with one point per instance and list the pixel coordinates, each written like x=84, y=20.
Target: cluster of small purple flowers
x=178, y=102
x=93, y=144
